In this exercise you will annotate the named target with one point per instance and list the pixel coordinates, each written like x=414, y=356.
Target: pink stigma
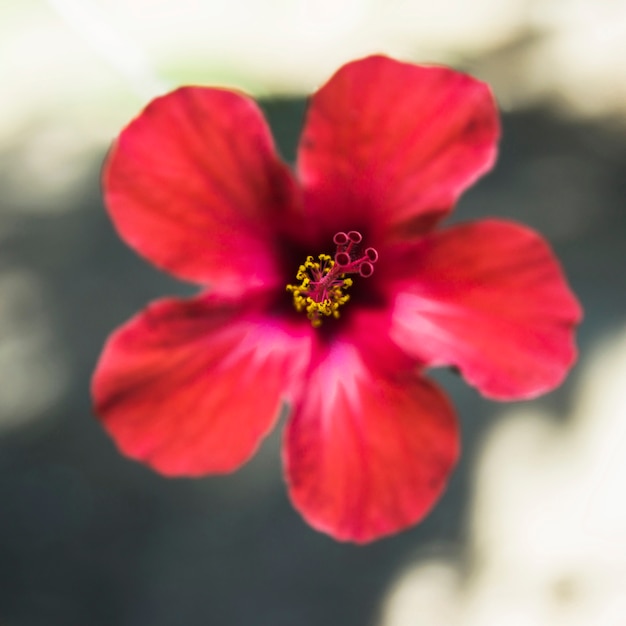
x=348, y=259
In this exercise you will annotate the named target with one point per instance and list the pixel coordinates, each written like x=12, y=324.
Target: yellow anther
x=319, y=293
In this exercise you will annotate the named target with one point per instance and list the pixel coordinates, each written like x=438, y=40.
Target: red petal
x=191, y=387
x=194, y=185
x=490, y=298
x=367, y=456
x=394, y=142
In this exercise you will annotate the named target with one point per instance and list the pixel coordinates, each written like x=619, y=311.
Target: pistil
x=323, y=282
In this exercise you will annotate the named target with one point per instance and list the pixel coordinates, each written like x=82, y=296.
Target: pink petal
x=490, y=298
x=192, y=386
x=194, y=185
x=367, y=455
x=394, y=142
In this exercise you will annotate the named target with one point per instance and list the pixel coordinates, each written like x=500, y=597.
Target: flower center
x=323, y=282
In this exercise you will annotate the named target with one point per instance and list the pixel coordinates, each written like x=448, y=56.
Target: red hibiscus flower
x=330, y=289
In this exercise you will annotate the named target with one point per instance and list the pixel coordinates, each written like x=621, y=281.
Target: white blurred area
x=91, y=64
x=547, y=544
x=33, y=366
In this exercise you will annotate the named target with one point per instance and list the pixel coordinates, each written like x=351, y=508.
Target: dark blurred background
x=533, y=525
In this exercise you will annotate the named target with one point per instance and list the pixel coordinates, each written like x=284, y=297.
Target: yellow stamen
x=321, y=290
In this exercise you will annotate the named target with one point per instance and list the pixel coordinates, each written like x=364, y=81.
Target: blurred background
x=532, y=530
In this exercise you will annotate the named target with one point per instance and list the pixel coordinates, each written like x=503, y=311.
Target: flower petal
x=490, y=298
x=367, y=455
x=194, y=185
x=394, y=142
x=192, y=386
